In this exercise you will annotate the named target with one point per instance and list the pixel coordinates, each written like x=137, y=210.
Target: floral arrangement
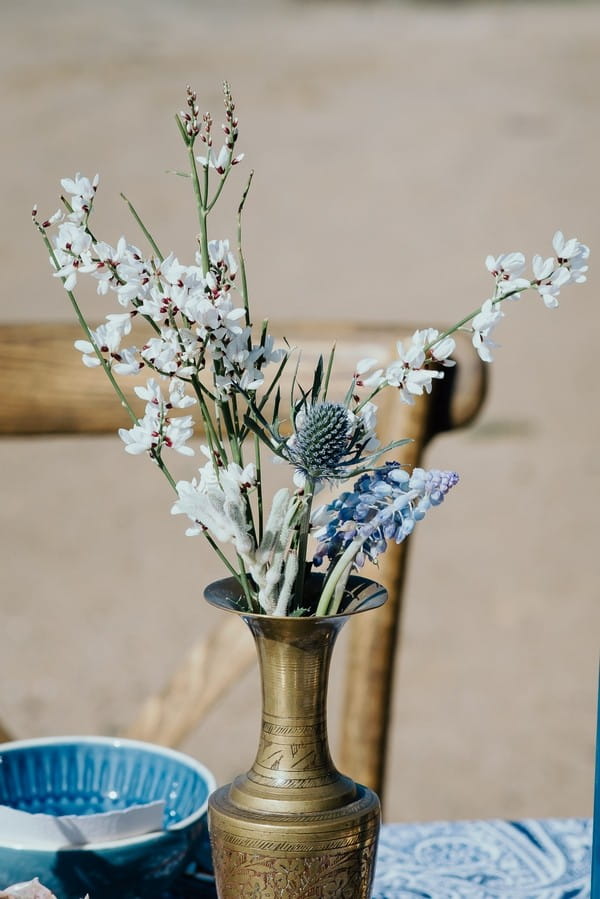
x=201, y=349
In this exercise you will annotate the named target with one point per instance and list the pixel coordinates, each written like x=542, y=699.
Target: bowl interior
x=79, y=777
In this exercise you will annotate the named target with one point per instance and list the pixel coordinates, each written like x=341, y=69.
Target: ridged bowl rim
x=116, y=742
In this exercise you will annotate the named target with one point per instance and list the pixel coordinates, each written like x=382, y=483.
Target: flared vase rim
x=373, y=601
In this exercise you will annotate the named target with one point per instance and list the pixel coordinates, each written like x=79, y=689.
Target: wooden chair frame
x=46, y=390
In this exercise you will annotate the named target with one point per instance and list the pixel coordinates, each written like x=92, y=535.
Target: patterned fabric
x=527, y=859
x=548, y=859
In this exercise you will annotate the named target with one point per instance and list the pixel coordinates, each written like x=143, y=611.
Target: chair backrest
x=46, y=390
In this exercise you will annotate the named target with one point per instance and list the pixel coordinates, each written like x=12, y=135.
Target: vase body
x=293, y=827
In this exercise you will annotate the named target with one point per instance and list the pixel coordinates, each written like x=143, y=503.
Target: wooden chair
x=47, y=390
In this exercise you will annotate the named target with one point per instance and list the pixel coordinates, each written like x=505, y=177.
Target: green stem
x=472, y=315
x=201, y=208
x=259, y=489
x=211, y=434
x=244, y=290
x=210, y=204
x=231, y=430
x=143, y=228
x=338, y=570
x=240, y=576
x=302, y=542
x=328, y=372
x=243, y=580
x=159, y=461
x=206, y=174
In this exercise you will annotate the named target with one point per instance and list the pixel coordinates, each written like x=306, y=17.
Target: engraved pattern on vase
x=244, y=875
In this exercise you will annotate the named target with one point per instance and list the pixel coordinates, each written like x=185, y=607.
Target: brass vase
x=293, y=827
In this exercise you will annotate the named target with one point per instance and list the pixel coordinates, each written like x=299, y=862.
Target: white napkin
x=22, y=828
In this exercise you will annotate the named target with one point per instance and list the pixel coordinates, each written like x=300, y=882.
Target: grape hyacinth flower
x=384, y=505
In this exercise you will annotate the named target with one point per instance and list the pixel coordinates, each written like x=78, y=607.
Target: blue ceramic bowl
x=87, y=775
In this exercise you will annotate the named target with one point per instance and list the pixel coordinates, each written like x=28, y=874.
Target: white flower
x=548, y=279
x=269, y=353
x=417, y=382
x=89, y=358
x=217, y=320
x=104, y=264
x=216, y=161
x=135, y=280
x=243, y=362
x=156, y=429
x=221, y=255
x=82, y=192
x=573, y=255
x=72, y=250
x=143, y=436
x=164, y=352
x=364, y=365
x=234, y=479
x=195, y=502
x=511, y=289
x=425, y=342
x=483, y=324
x=107, y=337
x=56, y=217
x=73, y=238
x=80, y=186
x=443, y=349
x=126, y=361
x=170, y=270
x=213, y=504
x=375, y=380
x=414, y=354
x=542, y=268
x=506, y=266
x=506, y=269
x=177, y=432
x=408, y=373
x=368, y=419
x=178, y=398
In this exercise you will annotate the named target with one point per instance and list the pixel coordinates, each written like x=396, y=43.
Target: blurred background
x=395, y=145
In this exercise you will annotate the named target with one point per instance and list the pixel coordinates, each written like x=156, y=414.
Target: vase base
x=285, y=855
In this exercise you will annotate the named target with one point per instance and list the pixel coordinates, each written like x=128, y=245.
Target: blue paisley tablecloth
x=529, y=859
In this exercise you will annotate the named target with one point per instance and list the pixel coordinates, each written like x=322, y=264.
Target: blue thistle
x=325, y=442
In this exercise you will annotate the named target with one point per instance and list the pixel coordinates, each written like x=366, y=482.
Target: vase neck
x=293, y=758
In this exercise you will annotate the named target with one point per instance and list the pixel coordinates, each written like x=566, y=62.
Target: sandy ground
x=394, y=147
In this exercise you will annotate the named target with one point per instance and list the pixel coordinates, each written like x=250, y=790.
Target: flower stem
x=202, y=211
x=244, y=290
x=302, y=543
x=143, y=228
x=211, y=434
x=209, y=205
x=341, y=567
x=472, y=315
x=259, y=487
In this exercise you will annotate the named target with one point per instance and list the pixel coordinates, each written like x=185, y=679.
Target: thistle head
x=323, y=441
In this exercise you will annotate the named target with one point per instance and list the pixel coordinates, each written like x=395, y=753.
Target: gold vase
x=293, y=827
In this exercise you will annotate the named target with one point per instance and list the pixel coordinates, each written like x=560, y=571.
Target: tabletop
x=527, y=859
